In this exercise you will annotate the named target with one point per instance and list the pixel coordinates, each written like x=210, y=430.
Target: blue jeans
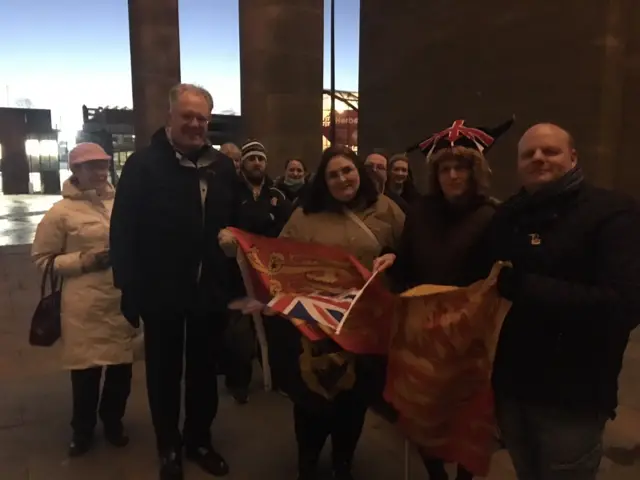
x=547, y=443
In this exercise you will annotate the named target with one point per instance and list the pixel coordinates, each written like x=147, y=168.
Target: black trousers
x=238, y=351
x=88, y=401
x=436, y=470
x=165, y=349
x=343, y=421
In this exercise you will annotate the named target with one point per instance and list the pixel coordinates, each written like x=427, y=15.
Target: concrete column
x=15, y=168
x=281, y=66
x=483, y=62
x=155, y=62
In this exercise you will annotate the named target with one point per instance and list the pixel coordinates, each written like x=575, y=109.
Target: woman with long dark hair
x=342, y=208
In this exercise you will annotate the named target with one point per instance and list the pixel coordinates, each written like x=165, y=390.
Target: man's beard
x=254, y=178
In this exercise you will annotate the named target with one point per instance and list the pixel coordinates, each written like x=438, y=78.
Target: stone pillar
x=281, y=67
x=13, y=154
x=155, y=62
x=579, y=68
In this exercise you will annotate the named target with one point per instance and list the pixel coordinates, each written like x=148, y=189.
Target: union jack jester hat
x=460, y=135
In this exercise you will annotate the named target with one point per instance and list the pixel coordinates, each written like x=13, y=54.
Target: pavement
x=20, y=215
x=257, y=439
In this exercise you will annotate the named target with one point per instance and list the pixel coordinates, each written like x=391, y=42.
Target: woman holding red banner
x=344, y=209
x=442, y=229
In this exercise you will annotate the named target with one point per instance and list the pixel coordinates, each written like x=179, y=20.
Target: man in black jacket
x=264, y=210
x=575, y=288
x=173, y=198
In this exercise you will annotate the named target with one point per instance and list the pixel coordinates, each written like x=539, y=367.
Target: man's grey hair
x=176, y=92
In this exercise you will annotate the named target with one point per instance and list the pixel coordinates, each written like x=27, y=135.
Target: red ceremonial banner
x=316, y=286
x=440, y=341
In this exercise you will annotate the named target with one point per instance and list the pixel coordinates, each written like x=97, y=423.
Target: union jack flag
x=454, y=134
x=325, y=312
x=459, y=134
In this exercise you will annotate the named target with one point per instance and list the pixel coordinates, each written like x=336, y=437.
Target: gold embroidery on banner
x=320, y=275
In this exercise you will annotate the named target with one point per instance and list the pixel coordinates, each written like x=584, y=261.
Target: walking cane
x=407, y=460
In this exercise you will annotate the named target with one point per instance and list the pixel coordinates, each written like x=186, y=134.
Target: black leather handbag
x=45, y=323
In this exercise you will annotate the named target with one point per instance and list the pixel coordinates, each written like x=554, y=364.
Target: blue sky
x=64, y=53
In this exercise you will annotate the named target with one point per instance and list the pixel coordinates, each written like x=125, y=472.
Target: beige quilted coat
x=94, y=333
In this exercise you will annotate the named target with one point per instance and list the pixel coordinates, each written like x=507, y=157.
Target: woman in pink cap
x=74, y=234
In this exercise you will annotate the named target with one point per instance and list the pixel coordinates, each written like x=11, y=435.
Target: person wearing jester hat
x=443, y=228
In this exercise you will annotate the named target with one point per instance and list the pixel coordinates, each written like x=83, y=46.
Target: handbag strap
x=356, y=219
x=49, y=274
x=46, y=274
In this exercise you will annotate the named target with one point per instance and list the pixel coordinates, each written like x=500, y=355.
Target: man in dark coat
x=173, y=198
x=263, y=209
x=575, y=288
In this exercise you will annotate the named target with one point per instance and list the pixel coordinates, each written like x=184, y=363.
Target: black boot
x=308, y=474
x=240, y=394
x=464, y=474
x=116, y=436
x=209, y=460
x=308, y=465
x=171, y=465
x=435, y=468
x=342, y=471
x=80, y=444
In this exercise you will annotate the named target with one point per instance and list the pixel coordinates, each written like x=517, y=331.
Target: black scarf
x=567, y=184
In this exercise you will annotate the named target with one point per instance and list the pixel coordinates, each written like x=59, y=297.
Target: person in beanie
x=173, y=198
x=96, y=338
x=263, y=210
x=439, y=243
x=574, y=284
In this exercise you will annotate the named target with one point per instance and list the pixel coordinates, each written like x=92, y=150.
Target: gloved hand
x=95, y=261
x=129, y=308
x=227, y=242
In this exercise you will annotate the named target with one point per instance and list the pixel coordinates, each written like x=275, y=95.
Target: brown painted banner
x=439, y=373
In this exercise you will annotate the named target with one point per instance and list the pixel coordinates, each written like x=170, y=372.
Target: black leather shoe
x=171, y=466
x=116, y=436
x=80, y=444
x=208, y=460
x=308, y=475
x=342, y=472
x=240, y=395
